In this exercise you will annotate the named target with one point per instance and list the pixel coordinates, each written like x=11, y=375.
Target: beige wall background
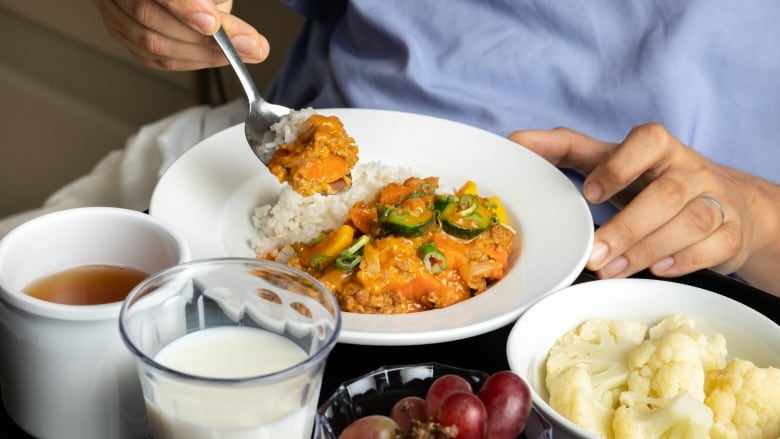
x=69, y=94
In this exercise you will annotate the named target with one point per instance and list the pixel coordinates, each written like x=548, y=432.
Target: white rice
x=286, y=130
x=295, y=218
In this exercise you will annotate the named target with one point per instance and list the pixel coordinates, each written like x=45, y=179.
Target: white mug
x=64, y=371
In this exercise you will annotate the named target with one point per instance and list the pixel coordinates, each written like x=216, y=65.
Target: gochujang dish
x=412, y=247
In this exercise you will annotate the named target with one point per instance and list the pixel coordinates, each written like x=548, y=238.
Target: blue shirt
x=708, y=70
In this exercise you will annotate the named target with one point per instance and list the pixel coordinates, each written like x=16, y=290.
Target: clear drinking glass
x=230, y=348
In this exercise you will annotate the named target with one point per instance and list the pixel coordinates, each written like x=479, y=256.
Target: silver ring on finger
x=717, y=204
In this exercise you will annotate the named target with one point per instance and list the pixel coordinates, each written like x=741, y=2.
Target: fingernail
x=592, y=191
x=664, y=264
x=617, y=266
x=245, y=45
x=598, y=253
x=204, y=22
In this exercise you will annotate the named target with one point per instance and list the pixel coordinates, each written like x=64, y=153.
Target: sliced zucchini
x=409, y=219
x=467, y=218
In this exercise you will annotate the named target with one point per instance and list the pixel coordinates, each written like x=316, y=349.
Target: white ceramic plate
x=749, y=334
x=210, y=192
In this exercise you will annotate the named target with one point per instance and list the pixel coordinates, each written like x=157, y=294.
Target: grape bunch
x=452, y=410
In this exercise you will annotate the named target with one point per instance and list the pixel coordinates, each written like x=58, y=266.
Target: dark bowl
x=377, y=392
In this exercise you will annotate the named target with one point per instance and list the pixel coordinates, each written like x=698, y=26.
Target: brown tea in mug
x=87, y=285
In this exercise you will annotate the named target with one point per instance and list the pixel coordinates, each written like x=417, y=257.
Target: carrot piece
x=394, y=193
x=420, y=286
x=363, y=218
x=324, y=169
x=454, y=250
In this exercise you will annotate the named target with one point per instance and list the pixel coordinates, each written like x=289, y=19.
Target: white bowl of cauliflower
x=641, y=358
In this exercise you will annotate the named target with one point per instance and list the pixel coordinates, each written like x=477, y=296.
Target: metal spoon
x=261, y=115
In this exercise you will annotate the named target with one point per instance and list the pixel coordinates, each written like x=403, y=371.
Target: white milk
x=230, y=352
x=181, y=409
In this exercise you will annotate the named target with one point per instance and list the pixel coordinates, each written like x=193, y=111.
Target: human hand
x=667, y=224
x=176, y=34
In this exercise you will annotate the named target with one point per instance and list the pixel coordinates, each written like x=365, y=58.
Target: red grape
x=370, y=427
x=408, y=409
x=508, y=403
x=466, y=411
x=441, y=387
x=451, y=409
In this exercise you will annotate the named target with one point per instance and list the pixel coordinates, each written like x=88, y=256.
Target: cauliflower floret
x=678, y=417
x=675, y=359
x=587, y=370
x=572, y=395
x=745, y=400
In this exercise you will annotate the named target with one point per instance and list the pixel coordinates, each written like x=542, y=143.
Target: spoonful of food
x=308, y=170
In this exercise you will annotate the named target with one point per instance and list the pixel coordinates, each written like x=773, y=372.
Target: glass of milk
x=230, y=348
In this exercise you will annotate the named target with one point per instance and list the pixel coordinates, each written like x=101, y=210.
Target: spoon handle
x=238, y=66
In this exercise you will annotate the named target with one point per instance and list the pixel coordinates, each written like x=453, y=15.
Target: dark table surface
x=484, y=352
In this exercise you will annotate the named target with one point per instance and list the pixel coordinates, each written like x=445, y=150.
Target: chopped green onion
x=318, y=262
x=357, y=245
x=428, y=188
x=350, y=257
x=425, y=189
x=467, y=204
x=318, y=239
x=348, y=262
x=433, y=258
x=474, y=217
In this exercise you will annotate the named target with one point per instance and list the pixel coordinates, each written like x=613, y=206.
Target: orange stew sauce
x=411, y=249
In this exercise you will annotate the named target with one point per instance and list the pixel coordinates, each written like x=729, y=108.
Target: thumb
x=201, y=15
x=565, y=148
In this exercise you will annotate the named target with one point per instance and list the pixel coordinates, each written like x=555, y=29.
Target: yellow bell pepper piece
x=499, y=210
x=323, y=253
x=468, y=188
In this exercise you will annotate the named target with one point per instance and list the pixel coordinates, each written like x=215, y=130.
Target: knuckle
x=562, y=130
x=145, y=13
x=669, y=189
x=701, y=216
x=615, y=172
x=733, y=238
x=166, y=63
x=154, y=43
x=689, y=260
x=143, y=57
x=641, y=255
x=625, y=233
x=653, y=131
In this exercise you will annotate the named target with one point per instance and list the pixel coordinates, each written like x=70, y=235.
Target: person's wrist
x=763, y=249
x=764, y=204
